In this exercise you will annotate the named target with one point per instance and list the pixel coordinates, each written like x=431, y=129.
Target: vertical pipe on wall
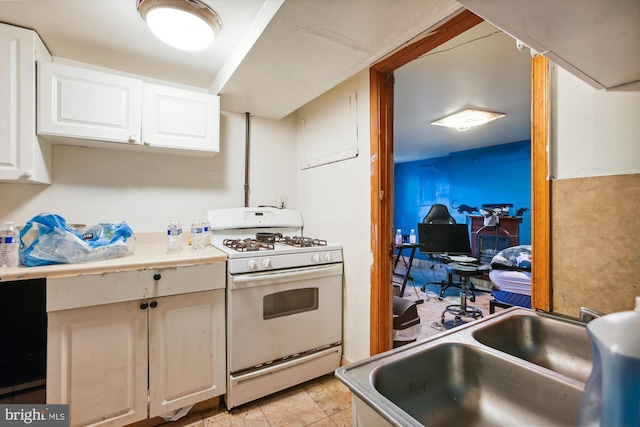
x=246, y=161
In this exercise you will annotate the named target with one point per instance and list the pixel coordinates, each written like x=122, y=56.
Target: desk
x=406, y=276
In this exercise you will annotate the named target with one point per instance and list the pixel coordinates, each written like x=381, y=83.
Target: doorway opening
x=382, y=151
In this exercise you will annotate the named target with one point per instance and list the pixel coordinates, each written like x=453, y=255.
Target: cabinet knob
x=153, y=304
x=132, y=138
x=157, y=276
x=144, y=305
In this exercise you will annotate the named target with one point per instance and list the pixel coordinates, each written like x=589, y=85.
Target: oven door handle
x=281, y=276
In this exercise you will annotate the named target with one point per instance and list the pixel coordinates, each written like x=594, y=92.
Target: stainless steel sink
x=562, y=346
x=457, y=384
x=516, y=367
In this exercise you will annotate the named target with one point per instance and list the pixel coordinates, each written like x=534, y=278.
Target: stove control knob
x=315, y=258
x=266, y=263
x=328, y=257
x=252, y=264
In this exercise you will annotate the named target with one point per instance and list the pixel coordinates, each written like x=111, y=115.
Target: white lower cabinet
x=122, y=362
x=186, y=350
x=97, y=363
x=362, y=415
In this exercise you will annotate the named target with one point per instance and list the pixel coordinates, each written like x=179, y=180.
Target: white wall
x=146, y=190
x=593, y=132
x=335, y=204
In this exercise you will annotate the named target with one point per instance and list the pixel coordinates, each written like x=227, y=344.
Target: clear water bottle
x=398, y=237
x=197, y=235
x=174, y=237
x=412, y=236
x=9, y=245
x=206, y=226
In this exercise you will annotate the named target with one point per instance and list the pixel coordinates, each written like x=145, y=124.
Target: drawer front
x=95, y=289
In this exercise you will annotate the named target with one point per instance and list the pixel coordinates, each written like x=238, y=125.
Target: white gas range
x=284, y=301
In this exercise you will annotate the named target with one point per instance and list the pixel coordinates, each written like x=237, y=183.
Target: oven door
x=278, y=314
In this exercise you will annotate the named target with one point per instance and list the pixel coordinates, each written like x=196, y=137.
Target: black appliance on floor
x=23, y=334
x=406, y=321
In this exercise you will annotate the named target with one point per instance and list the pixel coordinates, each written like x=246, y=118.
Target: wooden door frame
x=381, y=116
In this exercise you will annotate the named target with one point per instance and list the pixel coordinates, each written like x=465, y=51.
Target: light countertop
x=150, y=252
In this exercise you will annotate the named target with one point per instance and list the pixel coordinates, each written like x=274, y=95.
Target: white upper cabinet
x=177, y=118
x=78, y=106
x=23, y=158
x=78, y=103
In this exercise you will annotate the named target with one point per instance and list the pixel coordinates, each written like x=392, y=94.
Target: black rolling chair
x=438, y=214
x=451, y=242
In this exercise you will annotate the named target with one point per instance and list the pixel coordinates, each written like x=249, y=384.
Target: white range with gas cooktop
x=284, y=301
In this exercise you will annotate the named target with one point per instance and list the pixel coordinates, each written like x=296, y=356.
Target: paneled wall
x=595, y=167
x=596, y=243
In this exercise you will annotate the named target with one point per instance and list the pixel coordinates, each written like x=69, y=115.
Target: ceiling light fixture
x=183, y=24
x=467, y=119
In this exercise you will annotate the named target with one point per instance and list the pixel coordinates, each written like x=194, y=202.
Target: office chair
x=438, y=214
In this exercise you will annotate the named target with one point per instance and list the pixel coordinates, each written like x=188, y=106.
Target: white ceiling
x=480, y=69
x=111, y=34
x=273, y=56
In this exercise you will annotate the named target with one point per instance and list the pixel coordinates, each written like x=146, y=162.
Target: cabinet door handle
x=144, y=305
x=157, y=276
x=153, y=304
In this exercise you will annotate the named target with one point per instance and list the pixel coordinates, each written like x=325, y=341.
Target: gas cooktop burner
x=301, y=242
x=263, y=244
x=245, y=245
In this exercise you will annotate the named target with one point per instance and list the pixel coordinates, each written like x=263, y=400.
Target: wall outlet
x=281, y=200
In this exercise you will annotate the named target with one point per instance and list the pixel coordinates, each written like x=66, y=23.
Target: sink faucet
x=588, y=314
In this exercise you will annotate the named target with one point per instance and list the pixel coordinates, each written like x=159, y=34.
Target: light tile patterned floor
x=430, y=310
x=323, y=402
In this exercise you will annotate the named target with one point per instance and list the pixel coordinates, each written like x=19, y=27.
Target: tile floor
x=430, y=310
x=323, y=402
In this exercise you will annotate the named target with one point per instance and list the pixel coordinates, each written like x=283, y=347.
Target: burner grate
x=301, y=242
x=247, y=245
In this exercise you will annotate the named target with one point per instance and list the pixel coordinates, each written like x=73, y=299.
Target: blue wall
x=498, y=174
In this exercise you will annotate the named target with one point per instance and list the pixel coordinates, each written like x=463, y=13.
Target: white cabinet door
x=114, y=338
x=186, y=350
x=23, y=158
x=180, y=119
x=97, y=363
x=76, y=103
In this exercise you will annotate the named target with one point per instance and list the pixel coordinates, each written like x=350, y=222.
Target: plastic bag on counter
x=47, y=239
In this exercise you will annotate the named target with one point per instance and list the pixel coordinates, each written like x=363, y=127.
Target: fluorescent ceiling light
x=467, y=119
x=183, y=24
